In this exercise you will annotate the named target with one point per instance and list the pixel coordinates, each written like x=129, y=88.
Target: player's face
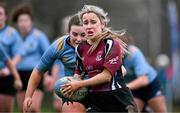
x=2, y=16
x=92, y=24
x=77, y=34
x=24, y=23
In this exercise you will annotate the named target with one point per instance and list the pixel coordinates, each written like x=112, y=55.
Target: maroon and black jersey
x=106, y=55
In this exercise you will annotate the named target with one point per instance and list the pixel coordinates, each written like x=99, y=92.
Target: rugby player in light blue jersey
x=142, y=79
x=7, y=61
x=35, y=43
x=63, y=49
x=11, y=42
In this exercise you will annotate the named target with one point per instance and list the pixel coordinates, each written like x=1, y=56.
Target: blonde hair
x=106, y=32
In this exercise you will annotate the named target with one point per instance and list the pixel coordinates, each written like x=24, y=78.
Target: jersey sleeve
x=140, y=63
x=112, y=60
x=3, y=55
x=48, y=58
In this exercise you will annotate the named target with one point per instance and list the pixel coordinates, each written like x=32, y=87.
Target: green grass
x=46, y=104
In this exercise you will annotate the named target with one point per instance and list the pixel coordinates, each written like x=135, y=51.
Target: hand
x=18, y=84
x=68, y=89
x=4, y=72
x=27, y=104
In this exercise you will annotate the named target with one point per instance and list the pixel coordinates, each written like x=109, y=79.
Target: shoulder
x=10, y=30
x=60, y=42
x=134, y=51
x=38, y=33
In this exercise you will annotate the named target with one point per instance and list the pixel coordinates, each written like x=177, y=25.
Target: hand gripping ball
x=76, y=96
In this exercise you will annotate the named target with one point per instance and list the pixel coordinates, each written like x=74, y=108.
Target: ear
x=103, y=25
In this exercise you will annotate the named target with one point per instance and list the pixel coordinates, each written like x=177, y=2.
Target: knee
x=57, y=106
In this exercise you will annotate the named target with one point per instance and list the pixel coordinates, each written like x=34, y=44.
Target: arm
x=140, y=67
x=16, y=59
x=11, y=67
x=138, y=83
x=32, y=85
x=33, y=82
x=100, y=78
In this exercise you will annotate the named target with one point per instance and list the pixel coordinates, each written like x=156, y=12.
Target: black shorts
x=109, y=101
x=7, y=85
x=25, y=75
x=148, y=92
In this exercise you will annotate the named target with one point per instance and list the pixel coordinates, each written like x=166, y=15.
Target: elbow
x=144, y=80
x=108, y=79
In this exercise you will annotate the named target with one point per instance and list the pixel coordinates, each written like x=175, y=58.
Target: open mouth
x=90, y=33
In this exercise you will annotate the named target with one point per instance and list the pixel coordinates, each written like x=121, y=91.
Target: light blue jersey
x=60, y=69
x=34, y=45
x=3, y=55
x=60, y=51
x=10, y=41
x=136, y=65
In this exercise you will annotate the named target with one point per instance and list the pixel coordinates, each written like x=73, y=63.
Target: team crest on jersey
x=99, y=56
x=114, y=60
x=89, y=67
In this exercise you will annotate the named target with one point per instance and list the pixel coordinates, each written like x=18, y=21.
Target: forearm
x=12, y=69
x=138, y=83
x=33, y=82
x=100, y=78
x=16, y=59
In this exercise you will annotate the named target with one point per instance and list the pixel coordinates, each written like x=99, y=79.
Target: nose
x=79, y=38
x=88, y=25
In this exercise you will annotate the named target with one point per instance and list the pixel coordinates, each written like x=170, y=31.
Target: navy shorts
x=7, y=85
x=148, y=92
x=109, y=101
x=25, y=75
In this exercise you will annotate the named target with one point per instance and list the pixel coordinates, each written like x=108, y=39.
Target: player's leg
x=7, y=93
x=20, y=98
x=156, y=98
x=37, y=100
x=24, y=75
x=57, y=103
x=6, y=103
x=139, y=103
x=73, y=107
x=158, y=104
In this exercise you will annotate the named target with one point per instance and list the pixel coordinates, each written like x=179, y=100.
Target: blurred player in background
x=11, y=42
x=8, y=62
x=142, y=78
x=62, y=50
x=35, y=42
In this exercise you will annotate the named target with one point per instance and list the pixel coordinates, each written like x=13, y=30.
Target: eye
x=85, y=22
x=93, y=22
x=83, y=34
x=74, y=34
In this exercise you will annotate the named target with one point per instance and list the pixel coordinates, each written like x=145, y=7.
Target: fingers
x=66, y=90
x=26, y=105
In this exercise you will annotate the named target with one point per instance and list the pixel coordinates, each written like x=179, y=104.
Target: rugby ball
x=76, y=96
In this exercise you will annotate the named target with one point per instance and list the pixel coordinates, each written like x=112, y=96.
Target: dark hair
x=4, y=6
x=21, y=9
x=74, y=20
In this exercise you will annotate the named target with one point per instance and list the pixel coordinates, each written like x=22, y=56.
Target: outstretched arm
x=32, y=85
